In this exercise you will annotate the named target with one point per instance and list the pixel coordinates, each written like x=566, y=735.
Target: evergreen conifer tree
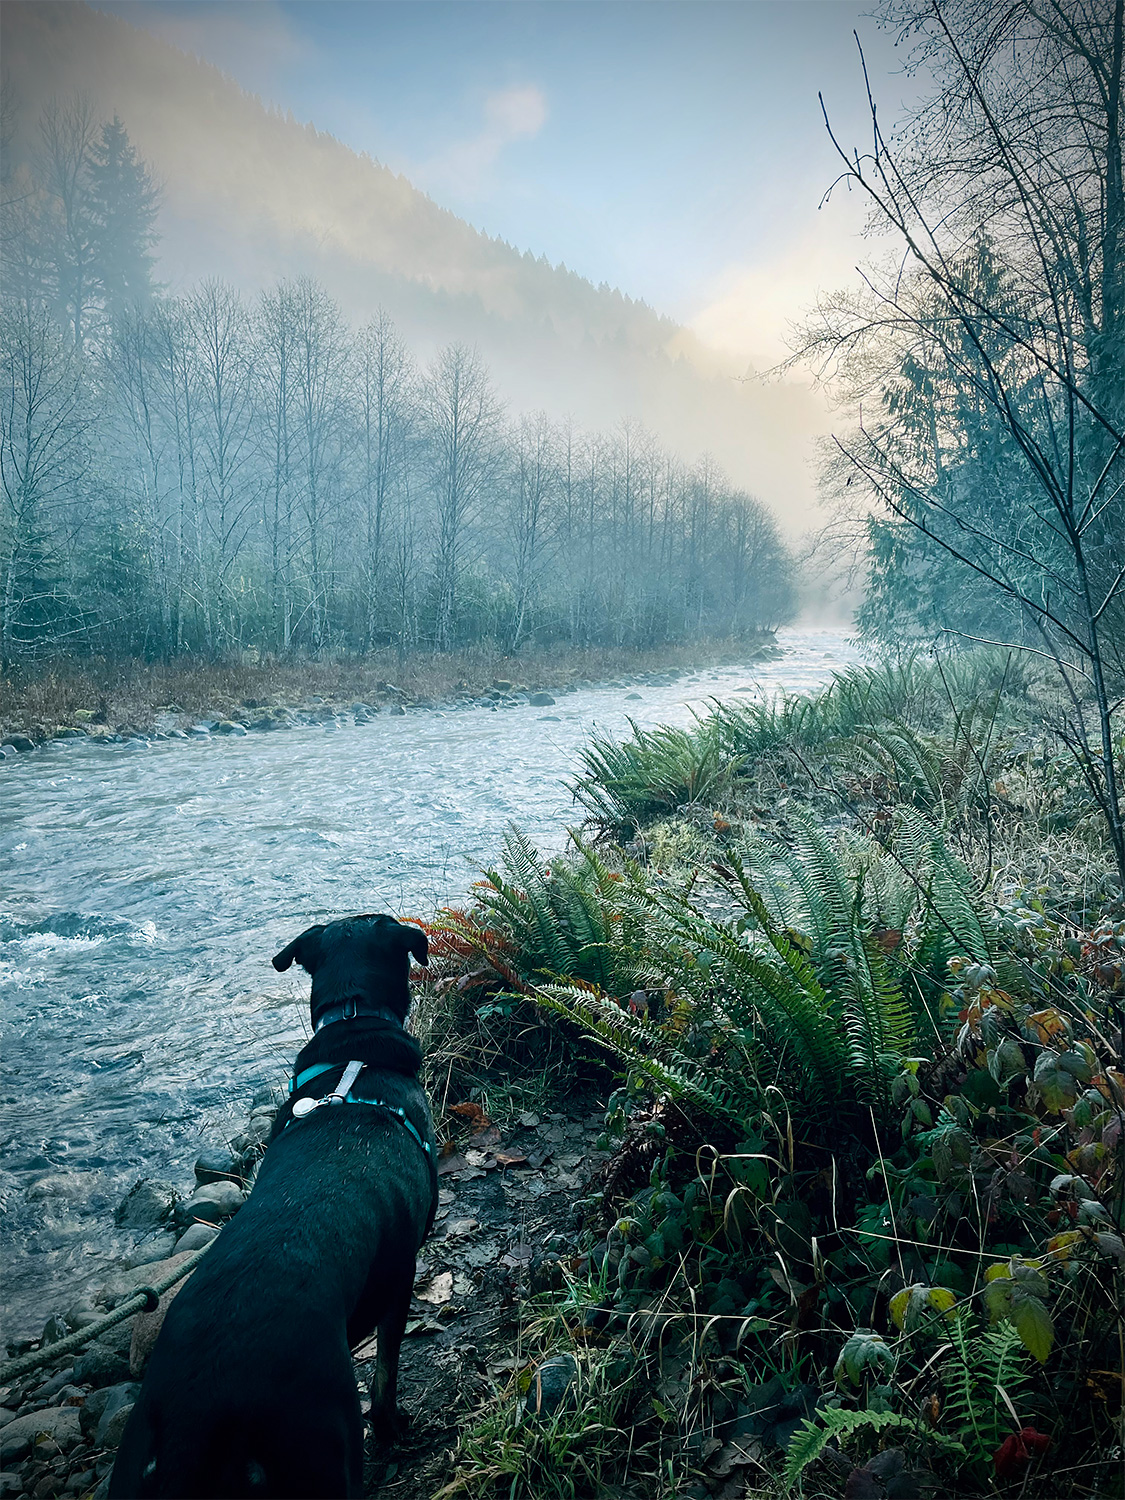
x=124, y=201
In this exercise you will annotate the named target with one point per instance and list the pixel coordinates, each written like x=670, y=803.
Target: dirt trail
x=508, y=1212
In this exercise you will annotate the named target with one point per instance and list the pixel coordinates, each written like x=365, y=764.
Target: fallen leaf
x=483, y=1159
x=459, y=1228
x=485, y=1139
x=472, y=1113
x=511, y=1159
x=437, y=1290
x=454, y=1163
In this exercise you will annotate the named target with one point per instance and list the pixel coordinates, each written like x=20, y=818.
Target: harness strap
x=342, y=1094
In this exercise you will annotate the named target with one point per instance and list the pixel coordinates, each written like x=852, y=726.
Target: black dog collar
x=349, y=1010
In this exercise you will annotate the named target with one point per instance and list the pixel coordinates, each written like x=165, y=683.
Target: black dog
x=251, y=1389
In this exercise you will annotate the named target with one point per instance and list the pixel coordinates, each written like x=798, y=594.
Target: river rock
x=69, y=732
x=100, y=1366
x=115, y=1413
x=541, y=700
x=60, y=1423
x=147, y=1204
x=146, y=1326
x=195, y=1238
x=10, y=1484
x=8, y=750
x=54, y=1329
x=155, y=1250
x=80, y=1314
x=398, y=710
x=215, y=1165
x=57, y=1383
x=20, y=743
x=201, y=731
x=228, y=726
x=212, y=1203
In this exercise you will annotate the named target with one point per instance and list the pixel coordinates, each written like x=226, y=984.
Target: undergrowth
x=861, y=1232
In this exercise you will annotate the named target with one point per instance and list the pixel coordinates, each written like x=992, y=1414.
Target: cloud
x=511, y=114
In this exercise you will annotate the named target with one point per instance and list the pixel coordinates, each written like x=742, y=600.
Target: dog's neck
x=351, y=1010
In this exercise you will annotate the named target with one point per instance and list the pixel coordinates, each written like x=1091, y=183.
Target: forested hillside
x=253, y=196
x=210, y=473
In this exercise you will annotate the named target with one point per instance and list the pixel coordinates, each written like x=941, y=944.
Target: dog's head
x=364, y=958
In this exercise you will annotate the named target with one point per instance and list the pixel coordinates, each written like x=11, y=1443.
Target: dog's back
x=251, y=1389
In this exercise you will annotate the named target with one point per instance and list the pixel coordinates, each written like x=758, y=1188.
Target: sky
x=672, y=148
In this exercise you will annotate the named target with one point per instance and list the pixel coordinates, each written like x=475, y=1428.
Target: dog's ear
x=415, y=941
x=304, y=949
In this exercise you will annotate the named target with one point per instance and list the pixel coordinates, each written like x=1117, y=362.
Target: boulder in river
x=541, y=700
x=54, y=1330
x=228, y=726
x=397, y=708
x=211, y=1203
x=20, y=743
x=146, y=1205
x=215, y=1165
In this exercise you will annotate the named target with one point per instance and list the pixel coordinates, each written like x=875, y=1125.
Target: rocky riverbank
x=145, y=701
x=506, y=1226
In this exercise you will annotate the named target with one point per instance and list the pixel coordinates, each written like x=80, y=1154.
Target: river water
x=148, y=886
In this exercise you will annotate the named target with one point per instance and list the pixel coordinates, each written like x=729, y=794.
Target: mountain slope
x=251, y=195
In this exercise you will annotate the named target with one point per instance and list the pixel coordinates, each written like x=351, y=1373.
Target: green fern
x=981, y=1365
x=811, y=1438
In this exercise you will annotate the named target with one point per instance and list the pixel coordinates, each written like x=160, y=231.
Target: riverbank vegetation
x=109, y=696
x=857, y=964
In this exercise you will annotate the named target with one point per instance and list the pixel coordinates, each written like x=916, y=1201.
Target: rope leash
x=144, y=1299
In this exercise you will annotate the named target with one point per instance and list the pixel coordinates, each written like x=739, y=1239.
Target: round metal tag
x=303, y=1107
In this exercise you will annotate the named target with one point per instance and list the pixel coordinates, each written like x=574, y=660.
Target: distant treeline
x=208, y=474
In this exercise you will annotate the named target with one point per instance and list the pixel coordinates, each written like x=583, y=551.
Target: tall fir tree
x=124, y=201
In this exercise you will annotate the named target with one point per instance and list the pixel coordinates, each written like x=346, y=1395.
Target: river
x=148, y=885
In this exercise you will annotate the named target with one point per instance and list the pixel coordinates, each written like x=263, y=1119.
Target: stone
x=85, y=715
x=200, y=731
x=502, y=684
x=54, y=1329
x=195, y=1238
x=269, y=1095
x=228, y=726
x=100, y=1366
x=69, y=732
x=115, y=1413
x=148, y=1254
x=60, y=1423
x=550, y=1384
x=53, y=1387
x=20, y=743
x=147, y=1204
x=10, y=1484
x=6, y=751
x=146, y=1327
x=541, y=700
x=215, y=1165
x=212, y=1203
x=398, y=710
x=633, y=696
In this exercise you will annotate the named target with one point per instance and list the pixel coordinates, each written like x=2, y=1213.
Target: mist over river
x=147, y=886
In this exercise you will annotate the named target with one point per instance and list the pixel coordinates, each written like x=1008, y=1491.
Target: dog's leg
x=387, y=1422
